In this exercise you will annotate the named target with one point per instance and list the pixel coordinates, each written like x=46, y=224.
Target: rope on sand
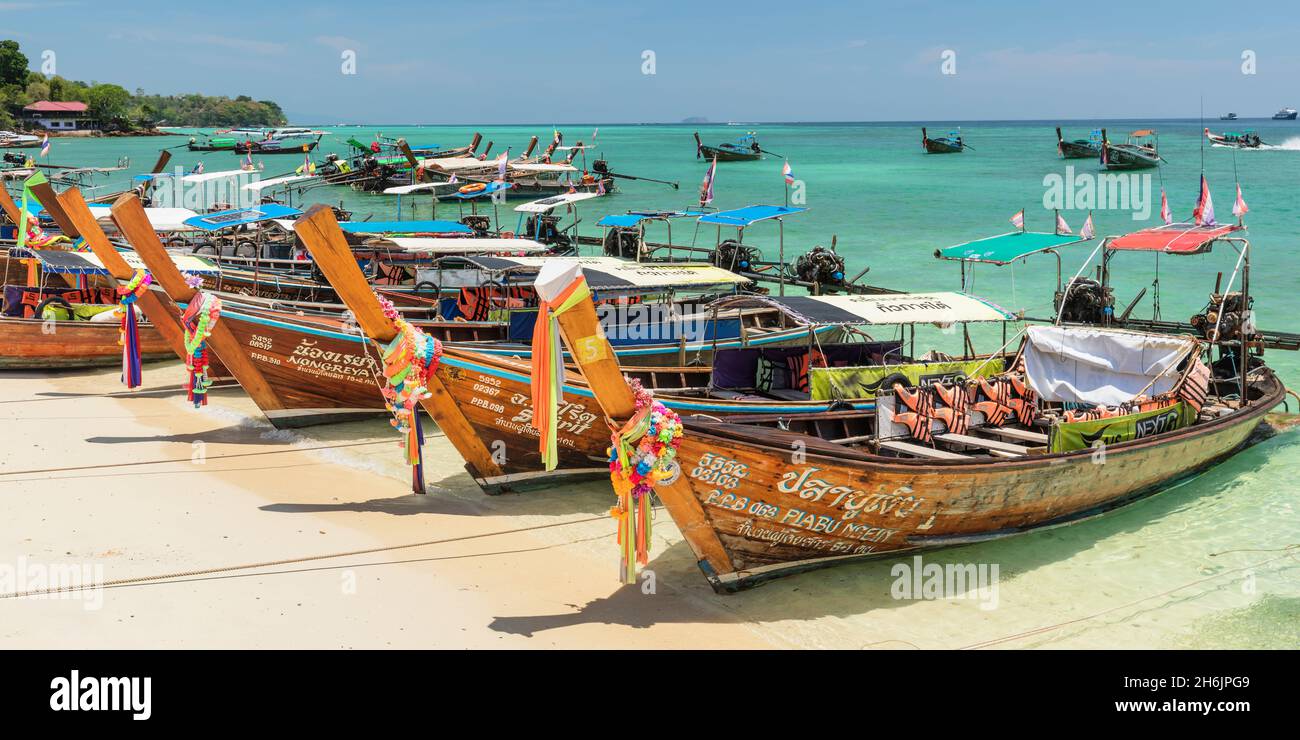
x=190, y=459
x=140, y=580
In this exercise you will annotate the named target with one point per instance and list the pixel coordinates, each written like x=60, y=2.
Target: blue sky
x=503, y=61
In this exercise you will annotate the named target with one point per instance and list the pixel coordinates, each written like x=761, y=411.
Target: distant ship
x=1286, y=114
x=1228, y=117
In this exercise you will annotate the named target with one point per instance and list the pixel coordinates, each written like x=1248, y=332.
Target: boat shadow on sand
x=683, y=596
x=237, y=434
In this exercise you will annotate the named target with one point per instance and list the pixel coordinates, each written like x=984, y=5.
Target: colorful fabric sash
x=548, y=365
x=129, y=336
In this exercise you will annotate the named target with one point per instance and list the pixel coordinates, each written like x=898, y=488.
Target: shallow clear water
x=891, y=206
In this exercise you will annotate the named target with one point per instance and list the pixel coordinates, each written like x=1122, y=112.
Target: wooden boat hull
x=495, y=396
x=276, y=148
x=323, y=374
x=934, y=146
x=36, y=344
x=1119, y=158
x=770, y=512
x=727, y=155
x=1079, y=150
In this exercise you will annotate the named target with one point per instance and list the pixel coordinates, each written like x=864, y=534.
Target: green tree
x=13, y=64
x=108, y=102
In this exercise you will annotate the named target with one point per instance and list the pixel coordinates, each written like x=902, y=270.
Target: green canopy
x=1004, y=249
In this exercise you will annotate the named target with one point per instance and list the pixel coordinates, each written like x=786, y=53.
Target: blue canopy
x=491, y=188
x=240, y=216
x=749, y=215
x=629, y=220
x=405, y=227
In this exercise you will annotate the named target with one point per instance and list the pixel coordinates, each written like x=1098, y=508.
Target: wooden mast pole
x=319, y=230
x=595, y=357
x=131, y=220
x=164, y=316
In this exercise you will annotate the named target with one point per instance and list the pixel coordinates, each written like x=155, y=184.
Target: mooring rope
x=140, y=580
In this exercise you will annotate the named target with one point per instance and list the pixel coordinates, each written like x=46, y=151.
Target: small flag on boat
x=787, y=173
x=1018, y=219
x=1204, y=213
x=1061, y=226
x=501, y=166
x=248, y=160
x=593, y=135
x=572, y=187
x=1087, y=232
x=198, y=169
x=45, y=146
x=600, y=186
x=1166, y=215
x=452, y=180
x=1239, y=208
x=706, y=187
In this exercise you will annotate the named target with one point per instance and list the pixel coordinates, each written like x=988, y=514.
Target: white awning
x=456, y=164
x=546, y=205
x=183, y=262
x=1101, y=366
x=541, y=167
x=615, y=273
x=161, y=219
x=453, y=245
x=210, y=176
x=419, y=188
x=888, y=309
x=261, y=185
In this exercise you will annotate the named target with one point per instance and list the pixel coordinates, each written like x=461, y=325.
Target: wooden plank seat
x=987, y=444
x=1022, y=435
x=914, y=450
x=788, y=394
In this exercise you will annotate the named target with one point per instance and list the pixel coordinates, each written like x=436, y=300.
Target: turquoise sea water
x=891, y=206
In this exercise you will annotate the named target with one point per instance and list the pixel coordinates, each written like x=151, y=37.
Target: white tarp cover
x=455, y=164
x=542, y=167
x=261, y=185
x=641, y=274
x=161, y=219
x=1100, y=366
x=460, y=245
x=546, y=205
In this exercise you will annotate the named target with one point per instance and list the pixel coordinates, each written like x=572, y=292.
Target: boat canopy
x=884, y=309
x=161, y=219
x=1143, y=132
x=404, y=227
x=1181, y=238
x=209, y=176
x=458, y=245
x=261, y=185
x=749, y=215
x=612, y=273
x=631, y=220
x=541, y=167
x=1073, y=364
x=87, y=263
x=491, y=187
x=1004, y=249
x=455, y=164
x=546, y=205
x=240, y=216
x=419, y=187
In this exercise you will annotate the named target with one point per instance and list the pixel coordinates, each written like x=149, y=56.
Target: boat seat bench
x=988, y=444
x=913, y=450
x=1022, y=435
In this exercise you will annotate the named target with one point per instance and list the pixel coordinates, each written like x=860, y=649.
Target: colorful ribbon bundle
x=642, y=455
x=409, y=360
x=548, y=365
x=200, y=317
x=129, y=337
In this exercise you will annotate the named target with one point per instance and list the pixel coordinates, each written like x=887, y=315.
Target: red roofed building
x=55, y=116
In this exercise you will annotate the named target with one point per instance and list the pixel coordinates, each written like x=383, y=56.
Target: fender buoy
x=476, y=187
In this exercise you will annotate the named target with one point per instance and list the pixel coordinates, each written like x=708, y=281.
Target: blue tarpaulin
x=628, y=220
x=239, y=216
x=749, y=215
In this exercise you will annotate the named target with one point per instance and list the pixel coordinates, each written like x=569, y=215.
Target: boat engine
x=622, y=242
x=13, y=158
x=820, y=265
x=1087, y=302
x=545, y=229
x=1238, y=318
x=479, y=223
x=732, y=255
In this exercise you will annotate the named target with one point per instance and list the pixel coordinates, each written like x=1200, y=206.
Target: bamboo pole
x=319, y=230
x=131, y=220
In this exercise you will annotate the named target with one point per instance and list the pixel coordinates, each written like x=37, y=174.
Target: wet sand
x=538, y=569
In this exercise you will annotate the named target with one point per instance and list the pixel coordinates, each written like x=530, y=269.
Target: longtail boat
x=1139, y=151
x=743, y=149
x=1079, y=148
x=1234, y=139
x=950, y=144
x=1054, y=444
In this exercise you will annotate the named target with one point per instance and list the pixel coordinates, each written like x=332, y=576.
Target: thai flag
x=248, y=160
x=198, y=169
x=706, y=187
x=600, y=186
x=788, y=173
x=1239, y=208
x=1087, y=232
x=1018, y=219
x=45, y=146
x=1166, y=215
x=1061, y=226
x=1204, y=213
